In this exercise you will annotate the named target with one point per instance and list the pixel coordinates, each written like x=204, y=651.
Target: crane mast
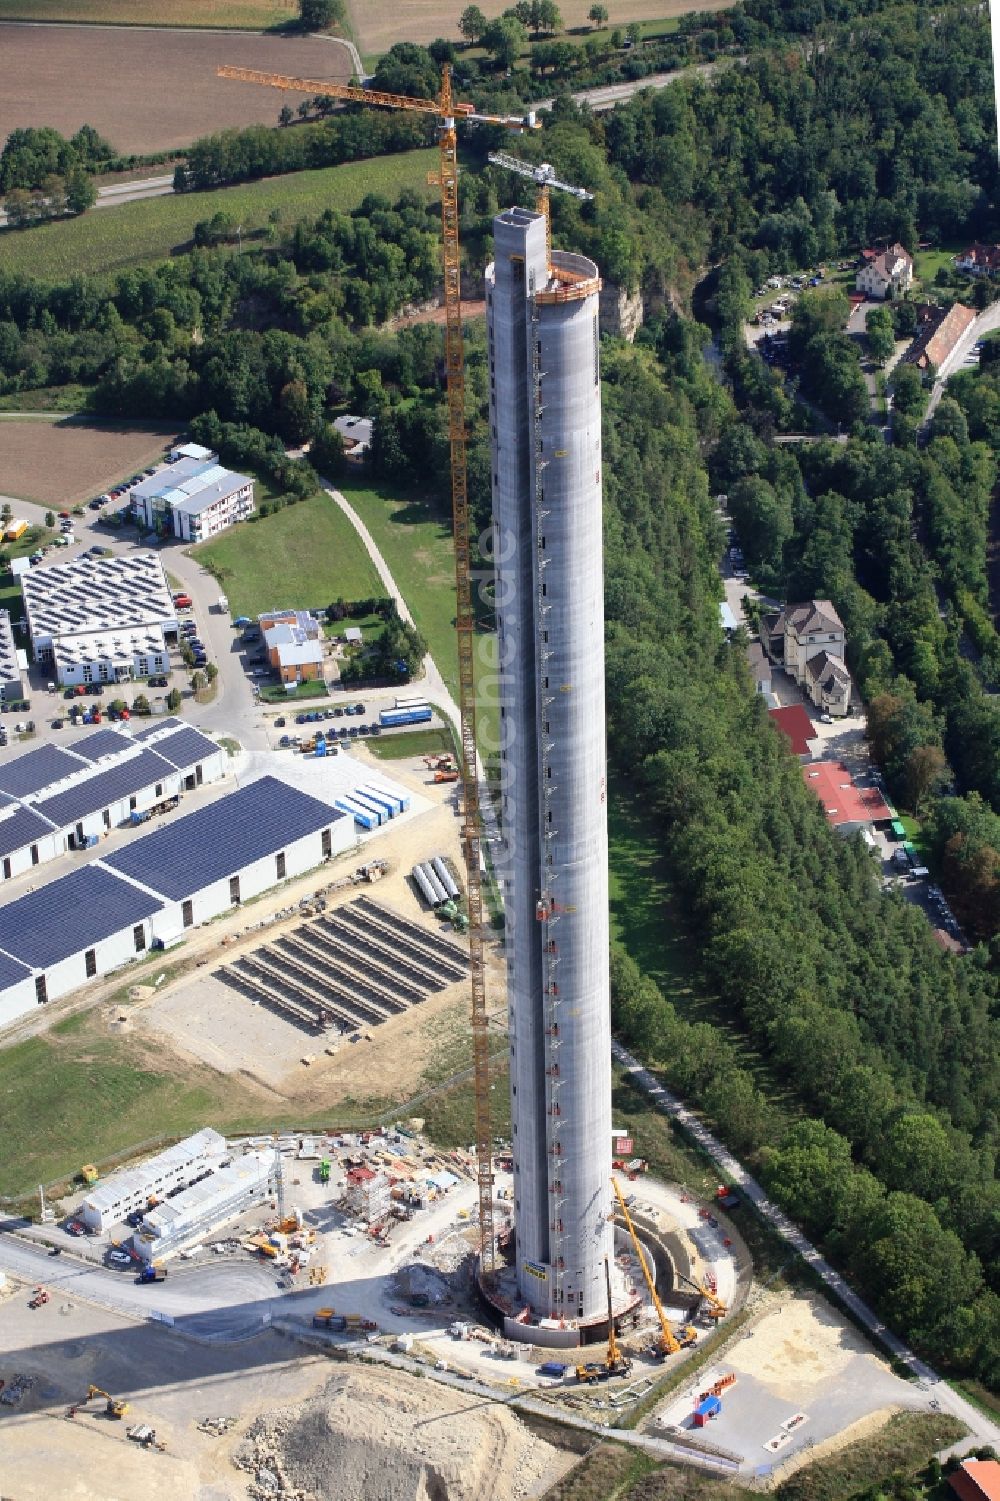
x=448, y=111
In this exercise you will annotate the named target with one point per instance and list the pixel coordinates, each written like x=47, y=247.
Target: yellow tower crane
x=669, y=1343
x=447, y=112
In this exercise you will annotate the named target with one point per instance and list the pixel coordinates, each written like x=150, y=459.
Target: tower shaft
x=545, y=413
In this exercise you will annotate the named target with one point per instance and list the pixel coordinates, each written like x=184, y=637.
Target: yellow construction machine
x=114, y=1407
x=615, y=1364
x=668, y=1343
x=716, y=1308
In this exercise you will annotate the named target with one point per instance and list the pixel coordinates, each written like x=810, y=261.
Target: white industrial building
x=192, y=497
x=55, y=798
x=101, y=620
x=106, y=657
x=185, y=872
x=202, y=1208
x=72, y=930
x=111, y=1202
x=13, y=663
x=232, y=850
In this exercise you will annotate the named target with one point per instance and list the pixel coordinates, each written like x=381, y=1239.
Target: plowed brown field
x=62, y=462
x=149, y=90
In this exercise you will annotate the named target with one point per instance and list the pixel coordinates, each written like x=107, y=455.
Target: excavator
x=115, y=1407
x=615, y=1364
x=668, y=1343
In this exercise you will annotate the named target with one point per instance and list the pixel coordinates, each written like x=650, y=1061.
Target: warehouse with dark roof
x=233, y=850
x=183, y=873
x=72, y=930
x=57, y=798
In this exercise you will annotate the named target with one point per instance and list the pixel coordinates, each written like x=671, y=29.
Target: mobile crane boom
x=669, y=1343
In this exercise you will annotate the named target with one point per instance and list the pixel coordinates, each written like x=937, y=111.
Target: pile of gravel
x=374, y=1435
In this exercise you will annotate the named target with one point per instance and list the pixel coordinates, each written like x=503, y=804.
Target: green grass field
x=303, y=556
x=79, y=1095
x=108, y=239
x=254, y=15
x=413, y=743
x=416, y=541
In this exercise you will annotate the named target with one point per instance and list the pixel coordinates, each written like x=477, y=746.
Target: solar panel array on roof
x=218, y=841
x=94, y=793
x=21, y=828
x=38, y=769
x=8, y=650
x=70, y=915
x=97, y=594
x=185, y=747
x=12, y=972
x=102, y=743
x=153, y=731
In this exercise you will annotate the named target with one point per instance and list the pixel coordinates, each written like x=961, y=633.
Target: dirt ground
x=201, y=1017
x=366, y=1432
x=377, y=24
x=807, y=1384
x=61, y=462
x=472, y=307
x=148, y=90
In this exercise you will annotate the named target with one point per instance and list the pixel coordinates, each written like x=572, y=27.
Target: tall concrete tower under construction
x=545, y=416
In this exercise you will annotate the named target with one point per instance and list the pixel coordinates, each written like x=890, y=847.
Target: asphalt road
x=226, y=1302
x=983, y=1431
x=612, y=94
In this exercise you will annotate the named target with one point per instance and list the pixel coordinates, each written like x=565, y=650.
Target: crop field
x=302, y=556
x=56, y=462
x=112, y=238
x=147, y=90
x=250, y=14
x=377, y=24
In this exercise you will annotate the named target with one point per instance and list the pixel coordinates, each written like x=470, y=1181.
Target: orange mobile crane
x=447, y=112
x=669, y=1344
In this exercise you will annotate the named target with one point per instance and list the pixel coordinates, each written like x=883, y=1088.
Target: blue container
x=360, y=815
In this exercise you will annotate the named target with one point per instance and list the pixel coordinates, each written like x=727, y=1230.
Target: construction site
x=249, y=1315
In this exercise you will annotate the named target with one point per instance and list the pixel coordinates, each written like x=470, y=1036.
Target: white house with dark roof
x=810, y=642
x=887, y=276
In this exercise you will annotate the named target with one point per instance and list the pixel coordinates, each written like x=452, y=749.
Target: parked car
x=279, y=724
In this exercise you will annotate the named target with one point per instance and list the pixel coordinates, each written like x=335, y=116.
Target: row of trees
x=261, y=151
x=33, y=156
x=54, y=198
